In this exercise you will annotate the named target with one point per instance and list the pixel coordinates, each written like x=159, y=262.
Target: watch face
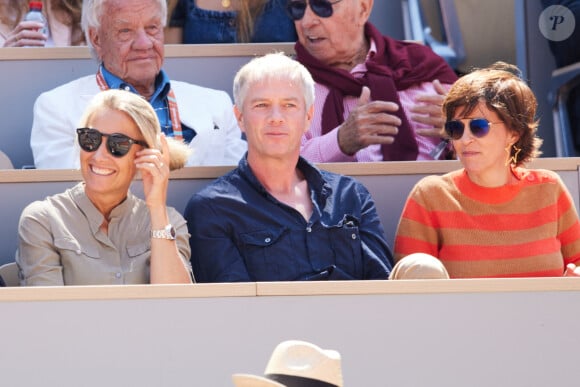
x=172, y=231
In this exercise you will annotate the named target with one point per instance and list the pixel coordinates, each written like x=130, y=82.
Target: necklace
x=226, y=3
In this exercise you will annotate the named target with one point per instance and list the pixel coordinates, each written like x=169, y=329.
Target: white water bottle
x=35, y=14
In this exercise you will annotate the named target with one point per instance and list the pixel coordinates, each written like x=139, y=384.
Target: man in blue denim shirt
x=276, y=217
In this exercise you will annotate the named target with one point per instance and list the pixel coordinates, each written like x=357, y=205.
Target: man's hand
x=369, y=123
x=427, y=111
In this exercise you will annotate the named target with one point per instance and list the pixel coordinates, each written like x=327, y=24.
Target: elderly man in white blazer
x=126, y=37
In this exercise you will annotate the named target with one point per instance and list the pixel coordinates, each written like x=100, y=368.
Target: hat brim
x=247, y=380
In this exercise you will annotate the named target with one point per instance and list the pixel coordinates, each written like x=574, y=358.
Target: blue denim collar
x=162, y=84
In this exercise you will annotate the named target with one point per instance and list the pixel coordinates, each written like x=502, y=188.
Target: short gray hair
x=273, y=66
x=92, y=14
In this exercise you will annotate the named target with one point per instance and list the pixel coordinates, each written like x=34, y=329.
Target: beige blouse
x=60, y=241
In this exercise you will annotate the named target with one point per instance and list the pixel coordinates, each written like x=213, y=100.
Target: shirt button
x=353, y=236
x=78, y=251
x=117, y=275
x=309, y=229
x=267, y=240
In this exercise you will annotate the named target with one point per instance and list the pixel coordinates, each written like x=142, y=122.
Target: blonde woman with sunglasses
x=98, y=232
x=493, y=217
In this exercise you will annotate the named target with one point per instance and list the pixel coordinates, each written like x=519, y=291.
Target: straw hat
x=247, y=380
x=419, y=266
x=297, y=363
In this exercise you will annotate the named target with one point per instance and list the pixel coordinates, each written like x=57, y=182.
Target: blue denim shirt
x=239, y=232
x=209, y=26
x=158, y=100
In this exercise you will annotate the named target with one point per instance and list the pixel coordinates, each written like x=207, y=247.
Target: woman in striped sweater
x=493, y=217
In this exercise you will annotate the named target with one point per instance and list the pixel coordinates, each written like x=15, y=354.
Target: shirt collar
x=313, y=176
x=162, y=84
x=362, y=67
x=93, y=215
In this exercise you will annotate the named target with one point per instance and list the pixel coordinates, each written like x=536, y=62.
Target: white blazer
x=209, y=112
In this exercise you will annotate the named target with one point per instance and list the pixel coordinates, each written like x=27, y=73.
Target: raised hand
x=371, y=122
x=427, y=111
x=154, y=167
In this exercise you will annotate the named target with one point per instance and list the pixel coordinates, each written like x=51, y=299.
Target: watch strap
x=166, y=233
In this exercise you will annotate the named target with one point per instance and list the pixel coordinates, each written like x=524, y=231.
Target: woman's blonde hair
x=248, y=13
x=141, y=112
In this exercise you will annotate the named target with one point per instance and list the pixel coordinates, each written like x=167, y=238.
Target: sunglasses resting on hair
x=479, y=127
x=117, y=144
x=322, y=8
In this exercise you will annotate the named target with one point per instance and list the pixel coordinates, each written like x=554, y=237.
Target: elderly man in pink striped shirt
x=377, y=98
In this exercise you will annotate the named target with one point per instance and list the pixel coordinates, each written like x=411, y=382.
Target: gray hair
x=144, y=116
x=273, y=66
x=93, y=12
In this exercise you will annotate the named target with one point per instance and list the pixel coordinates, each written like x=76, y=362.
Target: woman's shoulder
x=537, y=176
x=49, y=206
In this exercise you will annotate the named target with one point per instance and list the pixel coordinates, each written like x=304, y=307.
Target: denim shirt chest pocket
x=346, y=244
x=270, y=255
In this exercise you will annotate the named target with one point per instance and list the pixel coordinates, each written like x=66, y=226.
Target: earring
x=512, y=159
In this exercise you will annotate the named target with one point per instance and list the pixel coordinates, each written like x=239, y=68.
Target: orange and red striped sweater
x=527, y=229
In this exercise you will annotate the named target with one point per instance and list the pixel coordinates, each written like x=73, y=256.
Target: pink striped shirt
x=320, y=148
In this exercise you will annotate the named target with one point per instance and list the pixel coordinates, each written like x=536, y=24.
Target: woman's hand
x=154, y=167
x=26, y=34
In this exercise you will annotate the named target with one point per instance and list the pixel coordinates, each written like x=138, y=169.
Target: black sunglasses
x=479, y=127
x=322, y=8
x=117, y=144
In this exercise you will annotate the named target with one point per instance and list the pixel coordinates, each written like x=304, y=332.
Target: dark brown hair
x=503, y=91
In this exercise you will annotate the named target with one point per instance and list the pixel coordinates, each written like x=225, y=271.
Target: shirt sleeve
x=568, y=225
x=234, y=145
x=181, y=236
x=214, y=255
x=319, y=148
x=53, y=146
x=377, y=256
x=37, y=257
x=323, y=148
